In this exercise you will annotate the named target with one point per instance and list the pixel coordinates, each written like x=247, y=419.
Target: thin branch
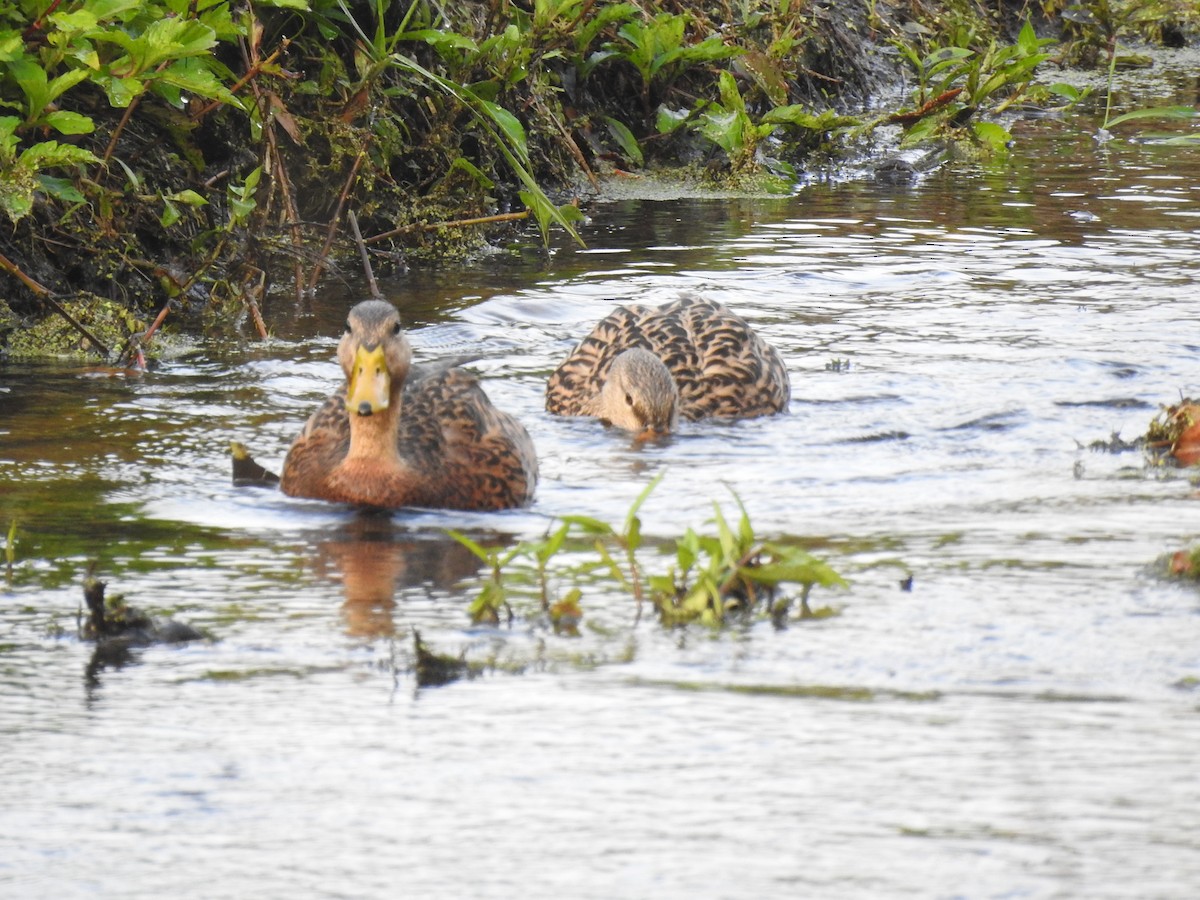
x=454, y=223
x=366, y=260
x=573, y=147
x=241, y=82
x=337, y=214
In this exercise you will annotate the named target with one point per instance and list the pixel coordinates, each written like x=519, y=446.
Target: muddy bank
x=205, y=162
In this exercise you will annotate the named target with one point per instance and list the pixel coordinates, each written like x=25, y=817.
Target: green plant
x=23, y=172
x=122, y=47
x=709, y=579
x=493, y=598
x=502, y=129
x=954, y=83
x=734, y=571
x=728, y=125
x=657, y=48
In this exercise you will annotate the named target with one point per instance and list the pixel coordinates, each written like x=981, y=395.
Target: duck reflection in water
x=374, y=560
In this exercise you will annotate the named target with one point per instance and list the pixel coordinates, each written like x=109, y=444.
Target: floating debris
x=112, y=621
x=1174, y=434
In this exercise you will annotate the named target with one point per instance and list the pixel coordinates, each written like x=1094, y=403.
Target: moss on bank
x=190, y=158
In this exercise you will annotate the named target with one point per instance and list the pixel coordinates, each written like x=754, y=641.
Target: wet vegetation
x=709, y=579
x=186, y=160
x=1174, y=435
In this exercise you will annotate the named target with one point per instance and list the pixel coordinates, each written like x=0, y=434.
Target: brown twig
x=37, y=24
x=281, y=179
x=454, y=223
x=331, y=233
x=251, y=74
x=125, y=117
x=931, y=106
x=573, y=148
x=366, y=260
x=248, y=293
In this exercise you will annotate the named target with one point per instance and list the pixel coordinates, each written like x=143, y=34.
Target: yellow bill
x=370, y=382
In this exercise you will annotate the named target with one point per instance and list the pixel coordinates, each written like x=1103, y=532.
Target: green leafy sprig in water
x=710, y=578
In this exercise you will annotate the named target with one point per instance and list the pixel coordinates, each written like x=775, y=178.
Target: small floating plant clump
x=710, y=580
x=112, y=619
x=1174, y=434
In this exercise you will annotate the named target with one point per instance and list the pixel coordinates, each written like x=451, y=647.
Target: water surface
x=1023, y=722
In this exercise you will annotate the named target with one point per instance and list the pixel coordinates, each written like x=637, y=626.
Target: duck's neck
x=373, y=437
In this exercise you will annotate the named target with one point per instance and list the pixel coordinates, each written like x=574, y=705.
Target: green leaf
x=194, y=76
x=606, y=15
x=60, y=188
x=669, y=120
x=589, y=525
x=641, y=498
x=588, y=65
x=1068, y=91
x=170, y=214
x=12, y=46
x=121, y=91
x=793, y=564
x=995, y=136
x=477, y=550
x=189, y=197
x=51, y=153
x=552, y=544
x=724, y=534
x=474, y=171
x=725, y=130
x=510, y=126
x=662, y=584
x=625, y=140
x=1157, y=112
x=67, y=122
x=441, y=41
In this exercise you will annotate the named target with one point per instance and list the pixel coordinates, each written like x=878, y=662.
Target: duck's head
x=375, y=355
x=639, y=395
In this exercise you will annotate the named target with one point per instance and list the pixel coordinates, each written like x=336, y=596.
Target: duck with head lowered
x=397, y=438
x=644, y=368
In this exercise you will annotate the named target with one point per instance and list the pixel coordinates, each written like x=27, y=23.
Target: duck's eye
x=629, y=399
x=396, y=328
x=348, y=326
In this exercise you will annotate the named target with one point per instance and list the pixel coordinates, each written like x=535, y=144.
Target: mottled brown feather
x=455, y=449
x=721, y=366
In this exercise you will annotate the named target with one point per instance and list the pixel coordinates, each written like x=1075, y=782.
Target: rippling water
x=1023, y=722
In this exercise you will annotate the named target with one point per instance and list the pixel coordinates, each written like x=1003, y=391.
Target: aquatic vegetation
x=957, y=83
x=709, y=578
x=1174, y=434
x=10, y=551
x=658, y=50
x=111, y=618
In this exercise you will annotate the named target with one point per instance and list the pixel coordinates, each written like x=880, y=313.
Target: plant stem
x=337, y=214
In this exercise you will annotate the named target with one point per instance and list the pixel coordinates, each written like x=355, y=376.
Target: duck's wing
x=321, y=445
x=577, y=381
x=721, y=365
x=467, y=453
x=431, y=368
